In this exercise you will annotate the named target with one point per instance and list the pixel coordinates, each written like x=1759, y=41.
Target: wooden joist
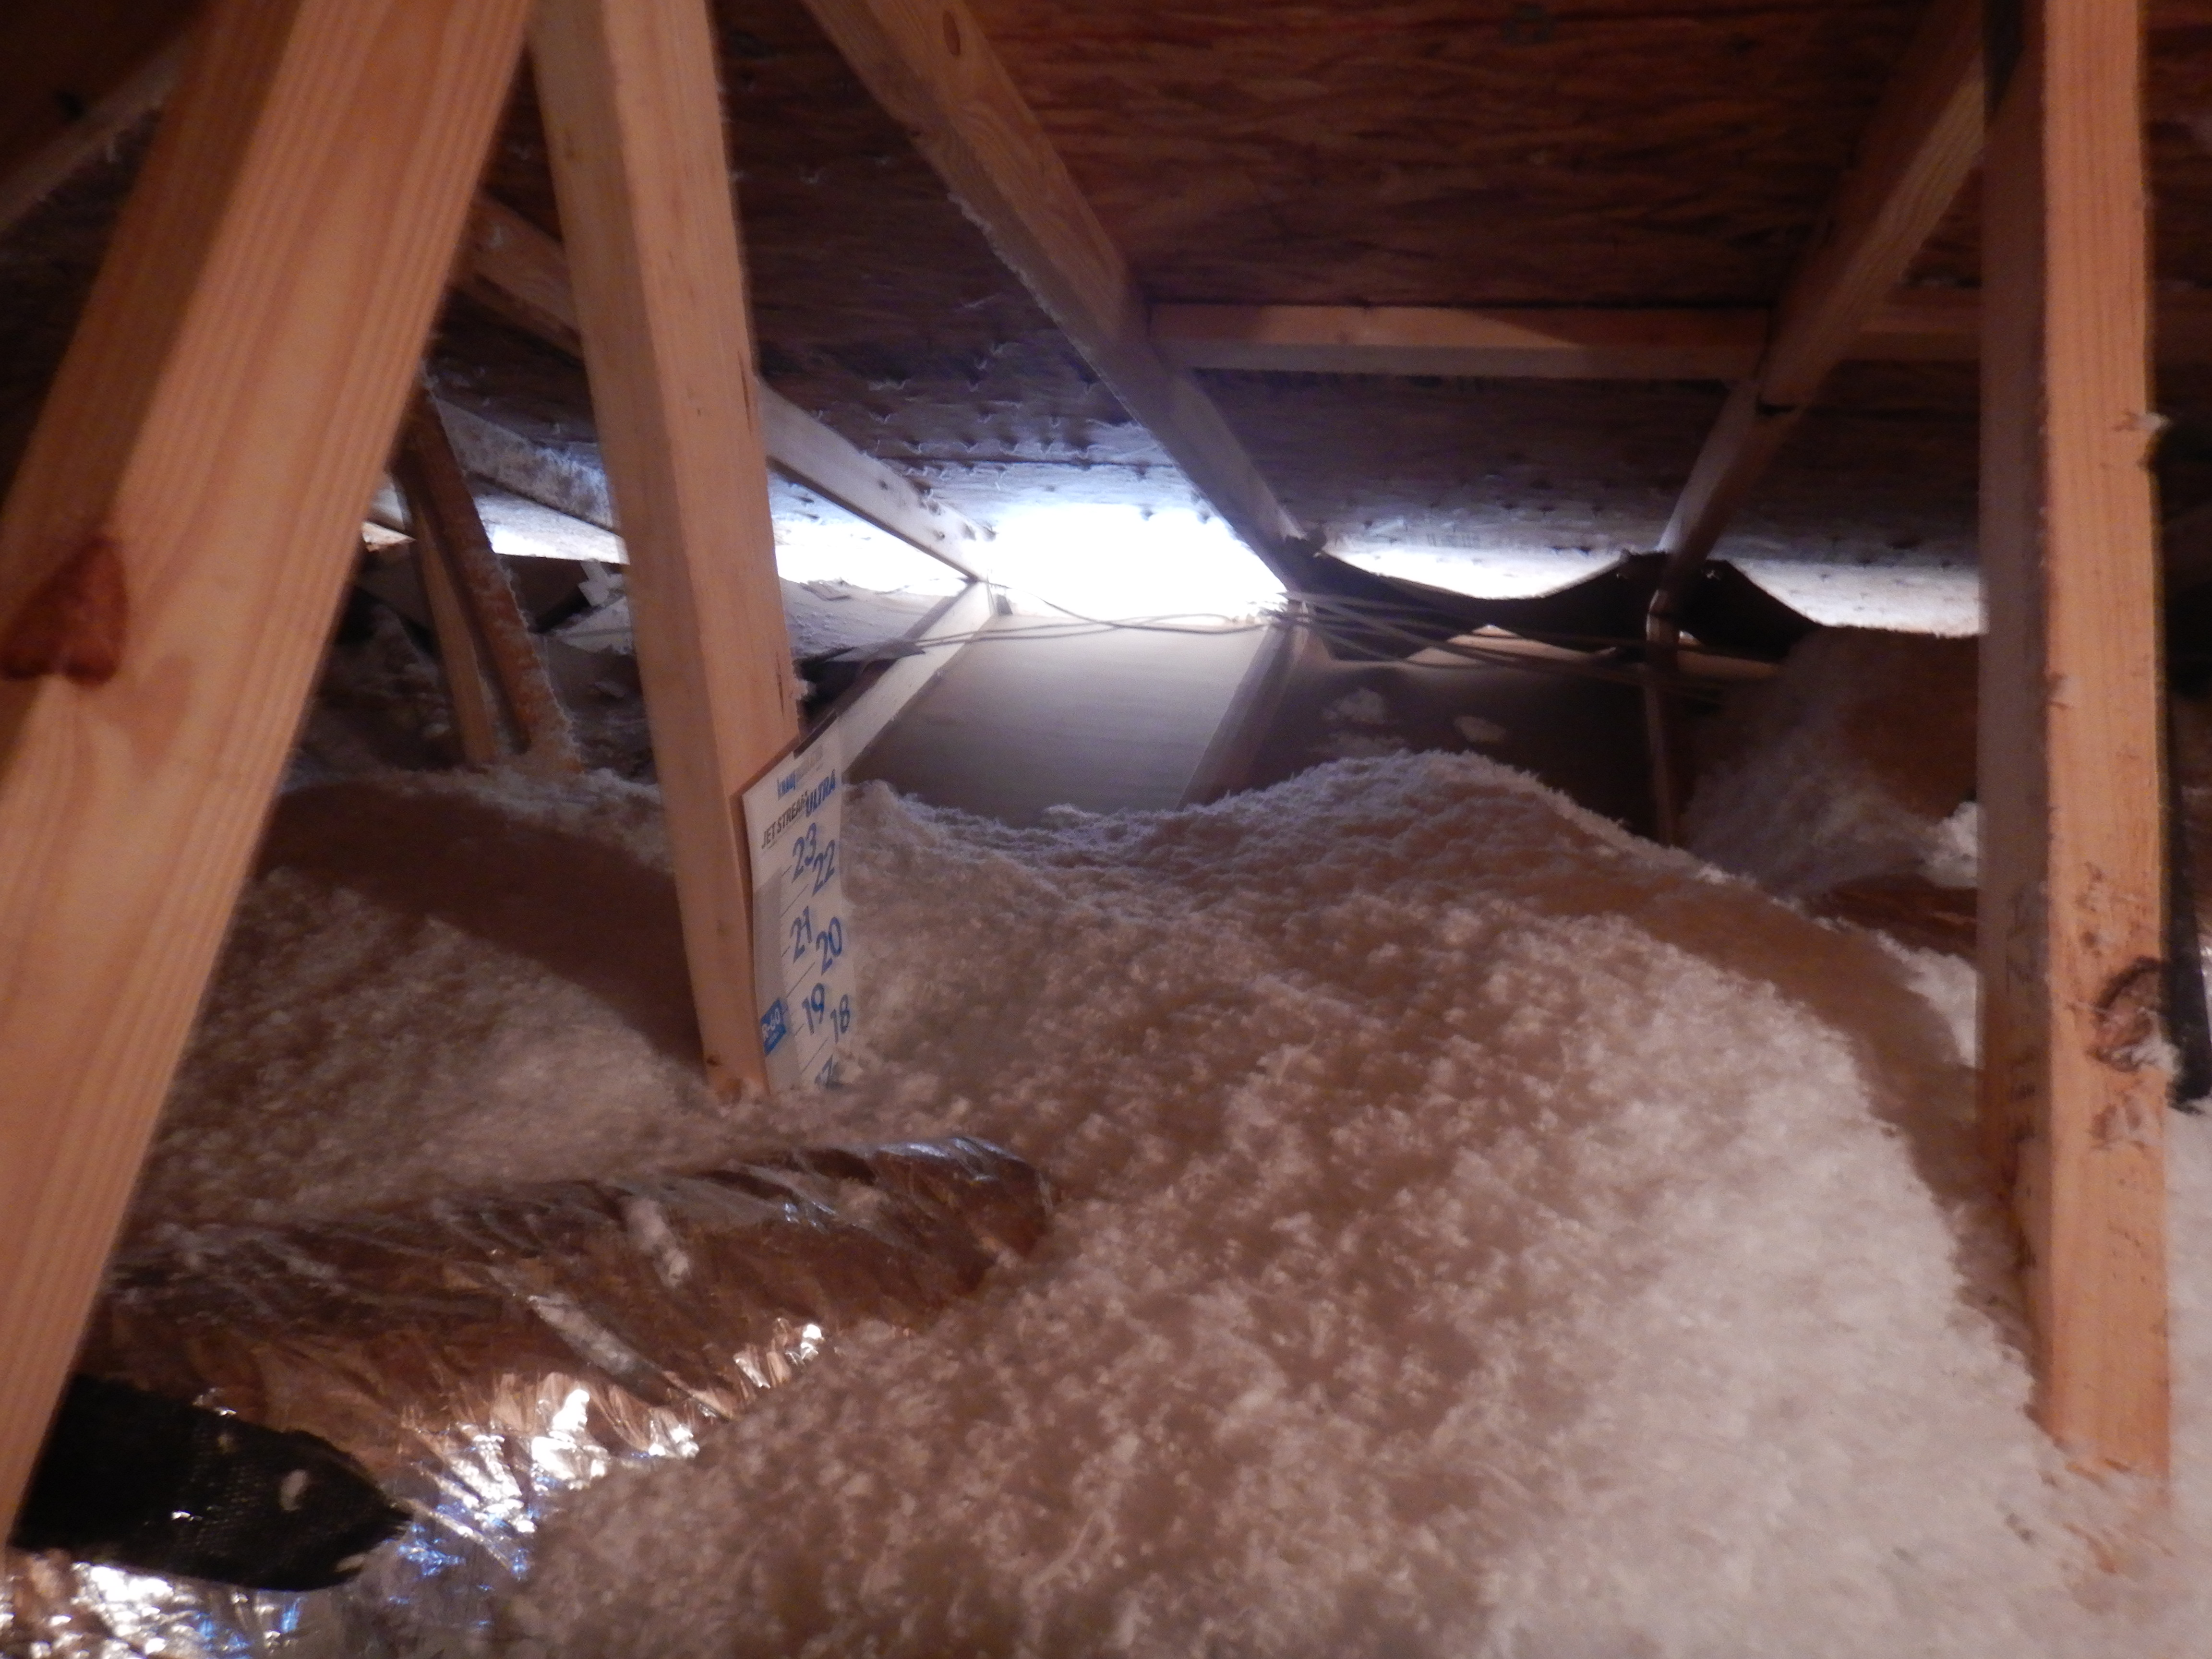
x=564, y=477
x=170, y=554
x=512, y=267
x=932, y=68
x=517, y=269
x=634, y=123
x=2074, y=1075
x=1944, y=326
x=1923, y=325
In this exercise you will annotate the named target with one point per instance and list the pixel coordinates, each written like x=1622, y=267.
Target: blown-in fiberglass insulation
x=1480, y=1234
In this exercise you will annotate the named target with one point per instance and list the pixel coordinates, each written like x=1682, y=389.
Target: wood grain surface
x=221, y=419
x=2074, y=1078
x=633, y=121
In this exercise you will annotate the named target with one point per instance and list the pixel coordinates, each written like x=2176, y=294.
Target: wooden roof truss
x=178, y=535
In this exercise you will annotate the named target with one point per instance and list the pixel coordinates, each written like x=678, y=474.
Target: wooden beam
x=441, y=509
x=1913, y=325
x=173, y=548
x=1944, y=326
x=508, y=264
x=1923, y=139
x=569, y=479
x=522, y=272
x=2074, y=1077
x=1252, y=713
x=803, y=448
x=634, y=123
x=1923, y=325
x=930, y=66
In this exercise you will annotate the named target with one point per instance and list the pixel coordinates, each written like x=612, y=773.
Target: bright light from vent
x=1120, y=561
x=842, y=549
x=1489, y=573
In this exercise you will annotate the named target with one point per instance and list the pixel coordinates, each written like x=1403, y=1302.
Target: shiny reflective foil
x=483, y=1356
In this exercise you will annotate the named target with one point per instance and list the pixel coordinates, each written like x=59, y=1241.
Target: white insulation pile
x=1856, y=761
x=1480, y=1234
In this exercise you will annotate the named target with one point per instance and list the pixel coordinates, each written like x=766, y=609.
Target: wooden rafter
x=1920, y=144
x=932, y=68
x=512, y=267
x=1922, y=326
x=634, y=123
x=2075, y=1076
x=550, y=473
x=519, y=270
x=815, y=454
x=171, y=554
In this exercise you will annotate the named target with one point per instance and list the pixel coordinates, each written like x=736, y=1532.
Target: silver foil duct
x=482, y=1357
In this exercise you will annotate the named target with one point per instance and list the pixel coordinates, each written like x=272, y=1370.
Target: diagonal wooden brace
x=219, y=423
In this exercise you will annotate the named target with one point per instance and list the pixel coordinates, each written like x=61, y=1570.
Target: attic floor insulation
x=1479, y=1232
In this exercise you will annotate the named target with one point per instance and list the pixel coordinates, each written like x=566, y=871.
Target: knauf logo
x=810, y=803
x=787, y=783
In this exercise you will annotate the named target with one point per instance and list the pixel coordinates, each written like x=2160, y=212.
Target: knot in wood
x=73, y=623
x=2130, y=1032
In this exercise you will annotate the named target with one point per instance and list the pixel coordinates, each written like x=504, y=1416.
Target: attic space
x=915, y=827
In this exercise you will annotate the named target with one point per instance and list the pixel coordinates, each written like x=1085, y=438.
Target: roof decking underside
x=1429, y=153
x=1442, y=152
x=1419, y=152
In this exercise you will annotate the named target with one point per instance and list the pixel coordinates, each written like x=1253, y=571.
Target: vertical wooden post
x=2073, y=1075
x=171, y=556
x=633, y=117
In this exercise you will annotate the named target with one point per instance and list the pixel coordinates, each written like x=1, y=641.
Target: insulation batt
x=1480, y=1234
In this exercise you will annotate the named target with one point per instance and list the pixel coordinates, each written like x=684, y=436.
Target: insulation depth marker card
x=802, y=936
